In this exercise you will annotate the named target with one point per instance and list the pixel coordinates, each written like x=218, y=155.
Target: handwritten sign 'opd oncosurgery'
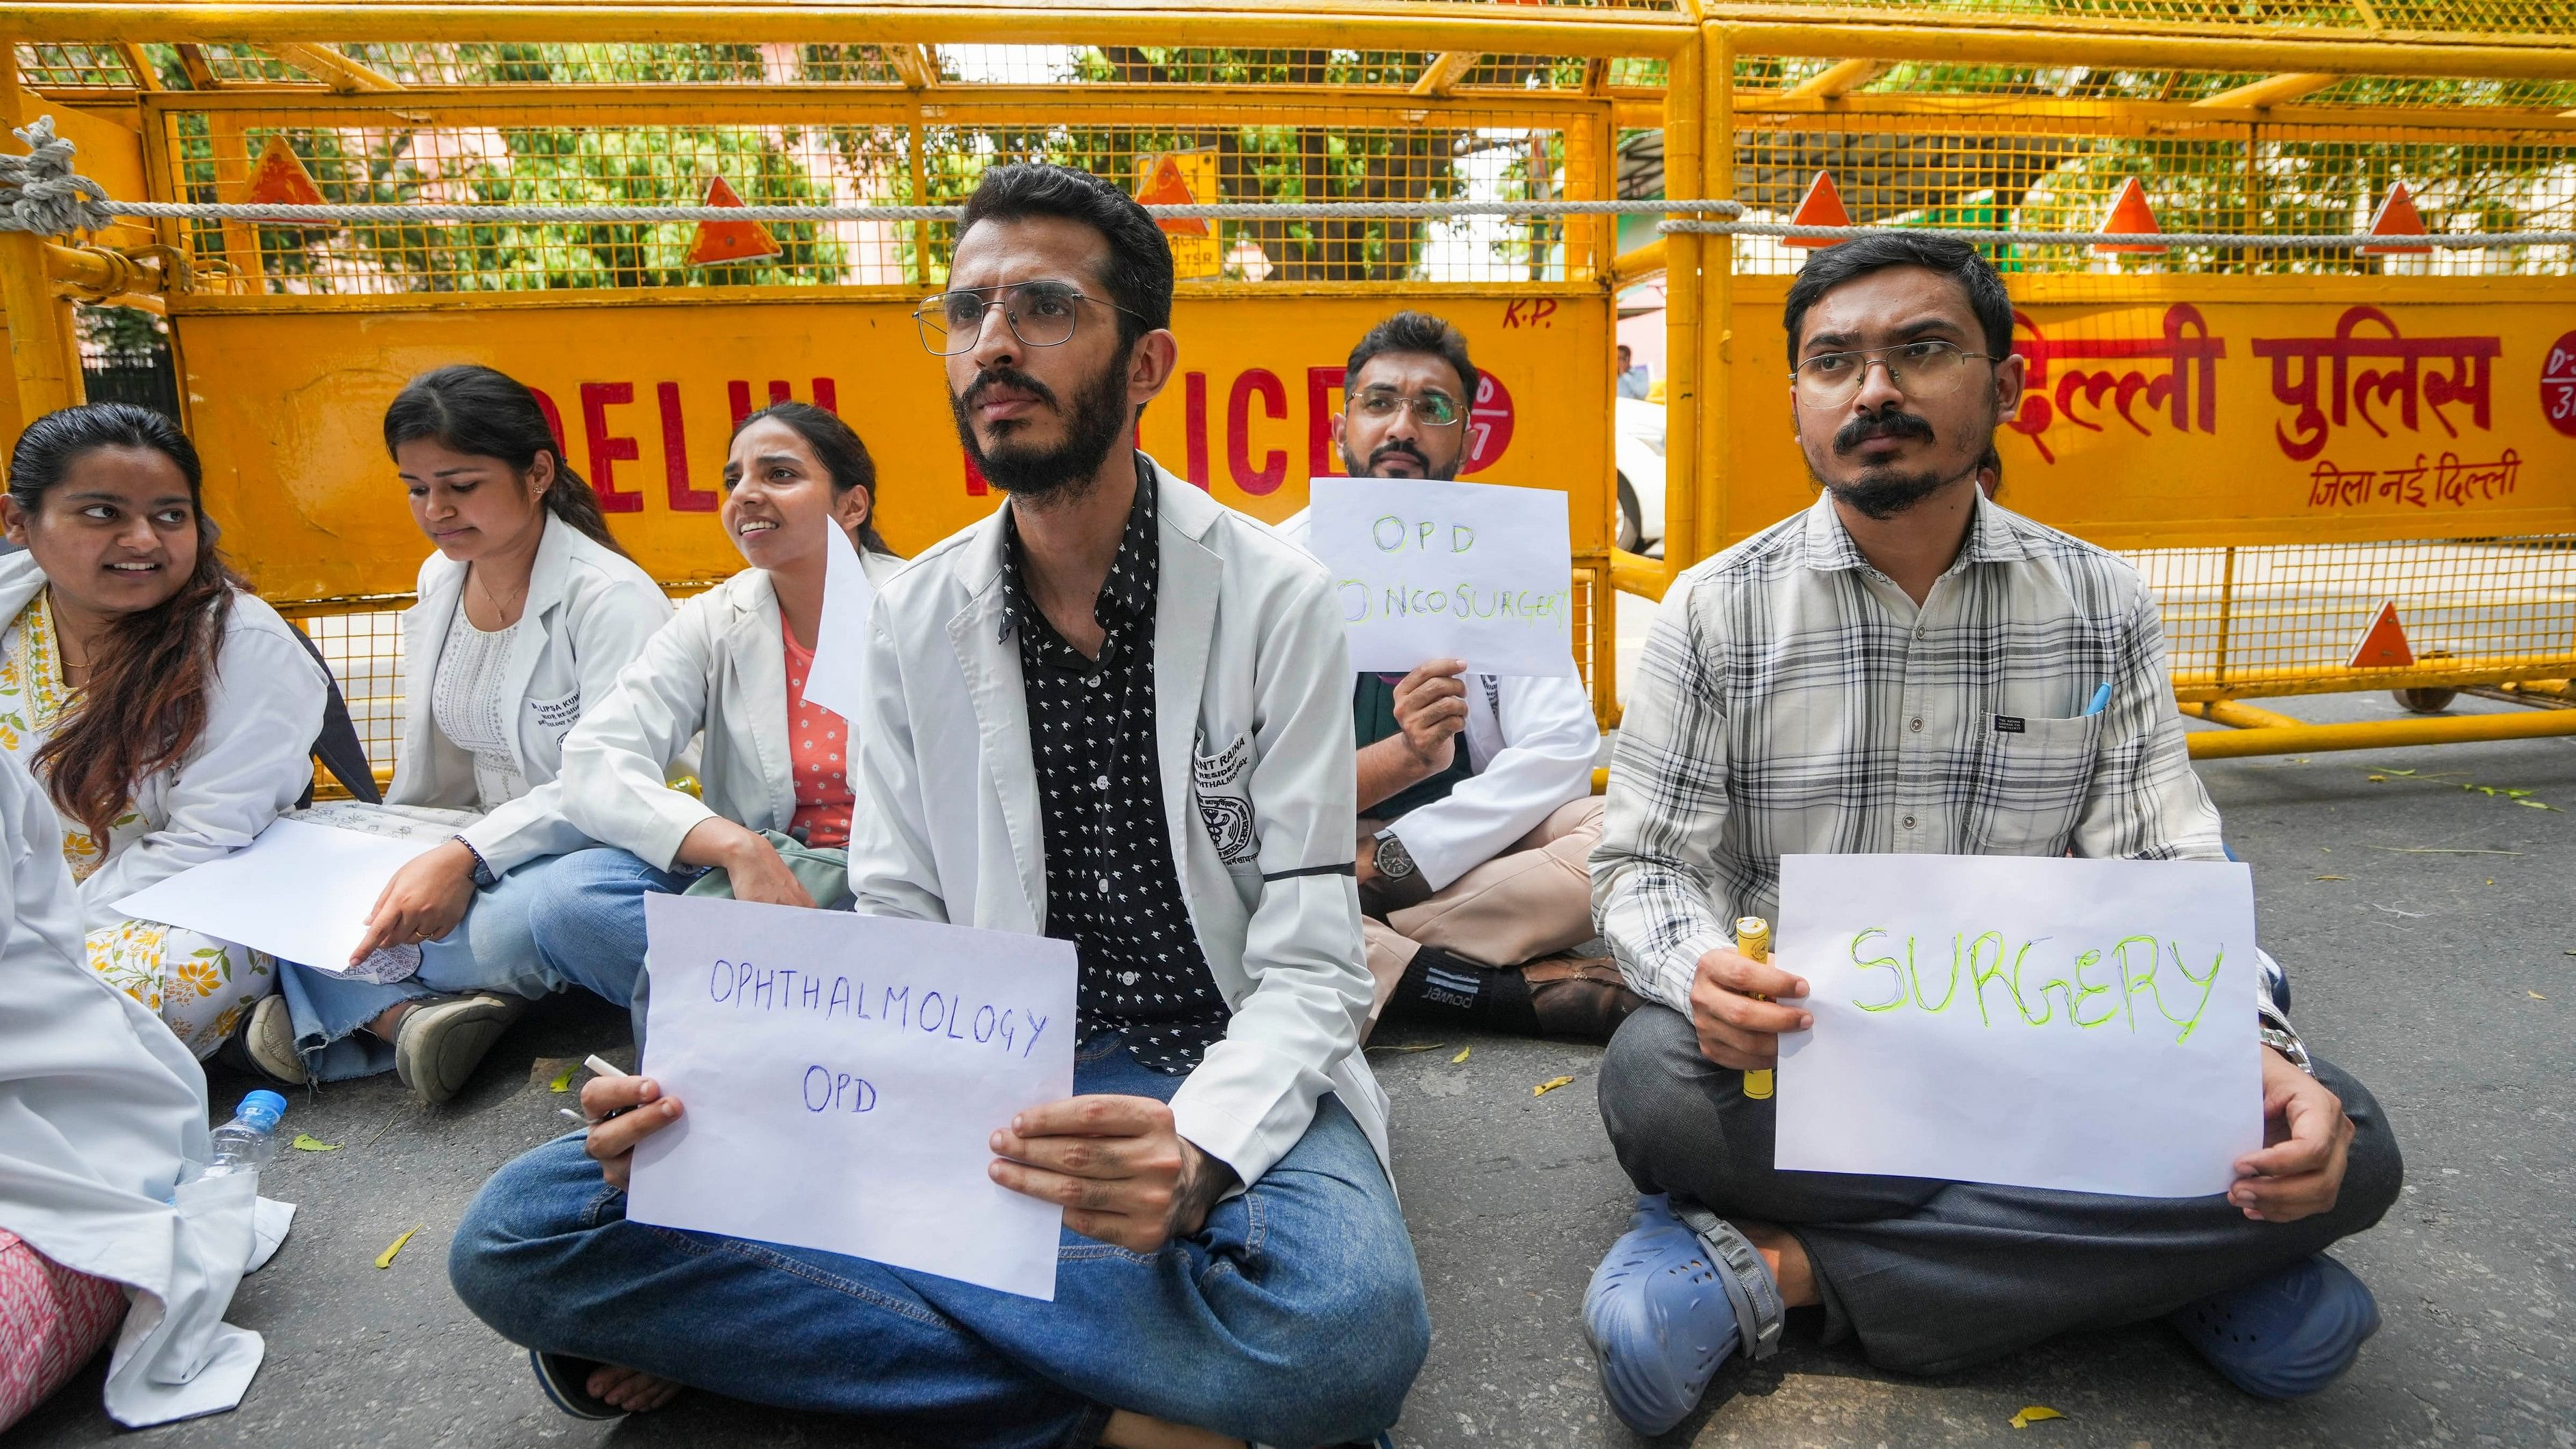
x=1427, y=570
x=2079, y=1024
x=842, y=1076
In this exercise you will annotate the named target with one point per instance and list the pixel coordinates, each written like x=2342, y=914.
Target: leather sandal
x=1579, y=996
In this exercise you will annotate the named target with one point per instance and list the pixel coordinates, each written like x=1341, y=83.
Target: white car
x=1639, y=448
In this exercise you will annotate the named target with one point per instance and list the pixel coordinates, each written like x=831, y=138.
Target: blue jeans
x=1294, y=1317
x=587, y=920
x=490, y=950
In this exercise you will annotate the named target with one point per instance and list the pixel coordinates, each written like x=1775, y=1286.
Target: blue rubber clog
x=1660, y=1319
x=2285, y=1336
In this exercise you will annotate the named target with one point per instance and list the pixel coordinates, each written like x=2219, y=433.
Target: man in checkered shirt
x=1908, y=667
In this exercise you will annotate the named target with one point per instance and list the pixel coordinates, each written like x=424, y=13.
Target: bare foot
x=1129, y=1430
x=1787, y=1258
x=630, y=1390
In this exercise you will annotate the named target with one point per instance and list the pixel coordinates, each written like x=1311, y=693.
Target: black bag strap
x=338, y=746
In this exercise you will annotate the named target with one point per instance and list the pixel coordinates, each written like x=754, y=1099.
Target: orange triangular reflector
x=2397, y=217
x=1167, y=187
x=2130, y=216
x=729, y=241
x=278, y=179
x=2383, y=645
x=1823, y=206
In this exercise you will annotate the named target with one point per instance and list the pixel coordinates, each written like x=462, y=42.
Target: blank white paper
x=301, y=892
x=838, y=679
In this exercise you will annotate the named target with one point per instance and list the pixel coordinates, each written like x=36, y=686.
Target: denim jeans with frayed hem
x=1295, y=1317
x=490, y=950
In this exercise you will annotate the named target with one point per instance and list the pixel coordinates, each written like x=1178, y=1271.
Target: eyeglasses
x=1040, y=314
x=1927, y=369
x=1430, y=409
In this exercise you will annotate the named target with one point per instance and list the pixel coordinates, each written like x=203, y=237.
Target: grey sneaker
x=269, y=1041
x=443, y=1038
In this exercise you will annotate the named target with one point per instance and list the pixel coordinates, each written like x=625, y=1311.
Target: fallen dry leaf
x=2032, y=1413
x=385, y=1259
x=2536, y=996
x=1462, y=1055
x=2334, y=877
x=307, y=1142
x=563, y=1079
x=1550, y=1085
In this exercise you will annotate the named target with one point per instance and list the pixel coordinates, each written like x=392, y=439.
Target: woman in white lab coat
x=772, y=816
x=99, y=1111
x=169, y=714
x=528, y=610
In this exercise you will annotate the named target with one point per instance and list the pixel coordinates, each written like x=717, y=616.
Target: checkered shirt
x=1792, y=699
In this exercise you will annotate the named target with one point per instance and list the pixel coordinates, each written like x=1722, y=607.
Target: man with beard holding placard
x=1112, y=713
x=1907, y=667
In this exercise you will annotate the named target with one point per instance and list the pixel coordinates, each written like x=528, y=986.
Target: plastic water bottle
x=246, y=1143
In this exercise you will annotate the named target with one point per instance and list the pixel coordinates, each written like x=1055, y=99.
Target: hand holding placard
x=1427, y=569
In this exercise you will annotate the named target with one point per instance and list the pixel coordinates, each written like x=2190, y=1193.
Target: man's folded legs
x=1295, y=1318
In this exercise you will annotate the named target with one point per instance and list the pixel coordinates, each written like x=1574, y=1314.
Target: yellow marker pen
x=1753, y=940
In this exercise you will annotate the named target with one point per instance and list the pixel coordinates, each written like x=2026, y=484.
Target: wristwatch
x=1394, y=862
x=2289, y=1046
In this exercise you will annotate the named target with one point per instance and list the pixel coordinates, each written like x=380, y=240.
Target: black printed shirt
x=1110, y=883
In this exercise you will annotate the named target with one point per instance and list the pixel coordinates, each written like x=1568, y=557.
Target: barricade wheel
x=2424, y=701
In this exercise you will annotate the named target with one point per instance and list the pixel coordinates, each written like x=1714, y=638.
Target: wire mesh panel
x=74, y=67
x=2476, y=17
x=362, y=642
x=2044, y=171
x=2289, y=619
x=890, y=153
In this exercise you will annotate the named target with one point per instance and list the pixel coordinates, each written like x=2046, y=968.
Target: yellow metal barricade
x=291, y=338
x=2288, y=438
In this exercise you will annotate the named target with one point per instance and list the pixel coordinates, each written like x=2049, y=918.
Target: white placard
x=301, y=892
x=837, y=681
x=841, y=1078
x=2079, y=1024
x=1427, y=570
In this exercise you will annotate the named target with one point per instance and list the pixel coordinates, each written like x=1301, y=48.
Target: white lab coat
x=1250, y=673
x=1531, y=741
x=720, y=667
x=99, y=1105
x=254, y=761
x=588, y=612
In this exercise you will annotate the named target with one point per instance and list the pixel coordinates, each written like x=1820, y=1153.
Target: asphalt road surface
x=2428, y=930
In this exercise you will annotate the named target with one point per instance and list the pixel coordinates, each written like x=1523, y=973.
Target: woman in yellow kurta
x=169, y=714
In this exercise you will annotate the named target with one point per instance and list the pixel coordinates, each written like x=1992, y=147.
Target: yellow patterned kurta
x=202, y=987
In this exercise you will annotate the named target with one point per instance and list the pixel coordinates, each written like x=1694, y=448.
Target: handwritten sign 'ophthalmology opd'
x=842, y=1076
x=1430, y=570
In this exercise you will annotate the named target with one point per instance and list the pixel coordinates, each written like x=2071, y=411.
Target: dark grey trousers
x=1934, y=1276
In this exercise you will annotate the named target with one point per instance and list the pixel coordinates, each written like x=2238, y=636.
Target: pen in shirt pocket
x=2101, y=700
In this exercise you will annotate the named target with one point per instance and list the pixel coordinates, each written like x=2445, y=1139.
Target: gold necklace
x=500, y=612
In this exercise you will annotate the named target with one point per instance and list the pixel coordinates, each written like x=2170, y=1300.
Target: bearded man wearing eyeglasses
x=1476, y=812
x=1906, y=666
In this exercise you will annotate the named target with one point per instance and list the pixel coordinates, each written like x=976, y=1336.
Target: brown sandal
x=1579, y=996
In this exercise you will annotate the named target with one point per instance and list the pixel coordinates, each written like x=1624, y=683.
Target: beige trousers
x=1533, y=900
